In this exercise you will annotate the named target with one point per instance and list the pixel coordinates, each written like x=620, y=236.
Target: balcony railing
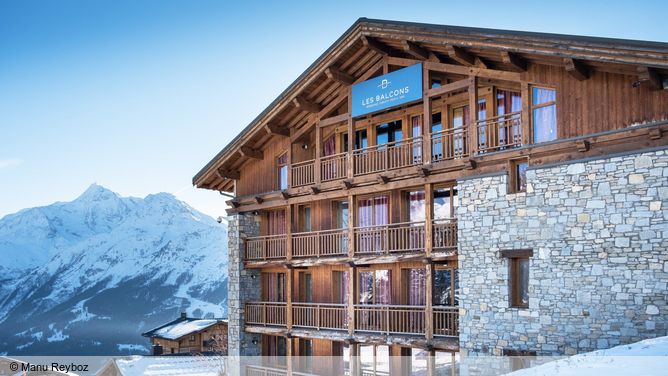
x=444, y=232
x=320, y=243
x=449, y=144
x=390, y=319
x=446, y=321
x=320, y=316
x=334, y=167
x=388, y=156
x=500, y=132
x=391, y=238
x=270, y=247
x=303, y=173
x=385, y=319
x=266, y=313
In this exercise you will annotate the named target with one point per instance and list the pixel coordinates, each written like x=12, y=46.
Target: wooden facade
x=210, y=337
x=354, y=202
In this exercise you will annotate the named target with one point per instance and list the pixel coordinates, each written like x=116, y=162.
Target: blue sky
x=139, y=95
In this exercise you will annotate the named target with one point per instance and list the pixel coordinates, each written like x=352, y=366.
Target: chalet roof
x=164, y=366
x=367, y=41
x=181, y=327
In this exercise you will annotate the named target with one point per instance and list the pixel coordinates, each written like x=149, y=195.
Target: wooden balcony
x=449, y=144
x=392, y=238
x=264, y=248
x=302, y=173
x=499, y=132
x=388, y=239
x=374, y=318
x=390, y=156
x=333, y=167
x=320, y=243
x=266, y=313
x=320, y=316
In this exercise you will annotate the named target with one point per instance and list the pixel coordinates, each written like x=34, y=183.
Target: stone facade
x=243, y=285
x=599, y=271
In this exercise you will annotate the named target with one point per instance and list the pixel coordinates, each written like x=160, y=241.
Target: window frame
x=278, y=170
x=533, y=107
x=514, y=175
x=515, y=257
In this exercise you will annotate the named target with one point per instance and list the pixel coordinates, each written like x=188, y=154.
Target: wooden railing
x=446, y=321
x=303, y=173
x=391, y=238
x=268, y=247
x=334, y=167
x=390, y=319
x=387, y=156
x=499, y=132
x=266, y=313
x=320, y=243
x=444, y=234
x=449, y=144
x=320, y=316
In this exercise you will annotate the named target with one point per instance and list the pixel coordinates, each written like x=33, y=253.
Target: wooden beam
x=416, y=50
x=453, y=86
x=474, y=71
x=315, y=190
x=518, y=63
x=341, y=77
x=347, y=183
x=304, y=104
x=651, y=76
x=285, y=195
x=249, y=152
x=460, y=55
x=655, y=134
x=478, y=62
x=228, y=174
x=576, y=69
x=383, y=179
x=275, y=129
x=582, y=145
x=376, y=46
x=259, y=199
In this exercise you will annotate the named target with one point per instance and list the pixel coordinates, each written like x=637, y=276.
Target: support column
x=431, y=362
x=352, y=271
x=318, y=153
x=426, y=117
x=288, y=354
x=288, y=293
x=243, y=286
x=473, y=116
x=429, y=309
x=355, y=361
x=288, y=227
x=351, y=135
x=525, y=117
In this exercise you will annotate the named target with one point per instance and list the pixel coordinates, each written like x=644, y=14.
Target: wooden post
x=289, y=185
x=351, y=135
x=473, y=115
x=429, y=219
x=318, y=153
x=352, y=283
x=288, y=304
x=288, y=225
x=355, y=364
x=288, y=354
x=431, y=362
x=526, y=116
x=429, y=309
x=426, y=117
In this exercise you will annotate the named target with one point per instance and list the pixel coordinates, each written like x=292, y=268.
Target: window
x=416, y=134
x=544, y=114
x=415, y=201
x=446, y=287
x=305, y=218
x=375, y=287
x=282, y=171
x=445, y=203
x=388, y=133
x=361, y=140
x=517, y=178
x=518, y=276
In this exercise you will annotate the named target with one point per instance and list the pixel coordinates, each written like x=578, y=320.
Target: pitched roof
x=621, y=54
x=180, y=327
x=165, y=366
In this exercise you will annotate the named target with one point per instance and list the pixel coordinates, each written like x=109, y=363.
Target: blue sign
x=389, y=90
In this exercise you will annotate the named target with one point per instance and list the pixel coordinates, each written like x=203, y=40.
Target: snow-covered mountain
x=88, y=276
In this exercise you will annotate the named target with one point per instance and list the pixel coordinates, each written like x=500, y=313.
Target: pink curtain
x=416, y=123
x=329, y=146
x=381, y=210
x=417, y=286
x=509, y=130
x=276, y=222
x=416, y=206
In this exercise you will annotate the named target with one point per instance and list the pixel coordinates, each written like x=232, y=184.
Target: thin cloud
x=10, y=162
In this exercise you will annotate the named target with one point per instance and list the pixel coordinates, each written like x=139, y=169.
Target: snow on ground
x=644, y=358
x=172, y=366
x=180, y=329
x=58, y=336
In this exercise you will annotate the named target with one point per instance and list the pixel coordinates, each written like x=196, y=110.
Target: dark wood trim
x=515, y=60
x=339, y=76
x=249, y=152
x=577, y=69
x=517, y=253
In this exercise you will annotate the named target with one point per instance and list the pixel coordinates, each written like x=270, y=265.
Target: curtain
x=276, y=222
x=416, y=206
x=417, y=287
x=544, y=118
x=509, y=128
x=383, y=287
x=381, y=210
x=329, y=148
x=343, y=292
x=366, y=287
x=416, y=124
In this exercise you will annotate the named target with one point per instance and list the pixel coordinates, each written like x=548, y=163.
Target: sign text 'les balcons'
x=389, y=90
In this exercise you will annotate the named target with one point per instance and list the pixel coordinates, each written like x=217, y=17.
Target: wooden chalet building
x=187, y=335
x=436, y=188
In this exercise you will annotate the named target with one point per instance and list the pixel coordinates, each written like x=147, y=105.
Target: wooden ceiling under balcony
x=365, y=48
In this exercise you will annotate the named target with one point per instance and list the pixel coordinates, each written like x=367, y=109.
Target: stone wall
x=599, y=273
x=243, y=285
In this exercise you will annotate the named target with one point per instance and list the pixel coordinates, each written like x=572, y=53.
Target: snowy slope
x=95, y=272
x=644, y=358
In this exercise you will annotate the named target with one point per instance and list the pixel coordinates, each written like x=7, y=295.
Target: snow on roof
x=171, y=365
x=183, y=328
x=648, y=357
